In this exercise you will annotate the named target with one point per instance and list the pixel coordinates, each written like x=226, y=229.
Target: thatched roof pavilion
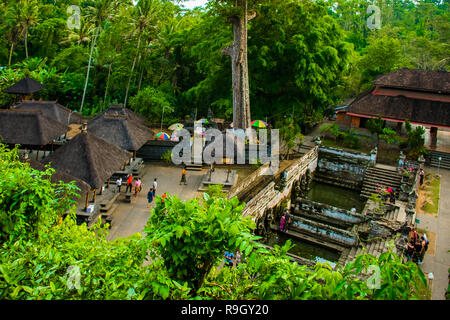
x=121, y=110
x=59, y=175
x=25, y=86
x=29, y=128
x=52, y=110
x=89, y=158
x=120, y=131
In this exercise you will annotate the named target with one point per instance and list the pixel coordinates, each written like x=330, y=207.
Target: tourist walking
x=282, y=222
x=183, y=176
x=155, y=185
x=149, y=197
x=137, y=185
x=421, y=175
x=424, y=242
x=409, y=251
x=119, y=184
x=287, y=221
x=129, y=183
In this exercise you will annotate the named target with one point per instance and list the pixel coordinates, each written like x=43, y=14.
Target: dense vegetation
x=303, y=55
x=43, y=256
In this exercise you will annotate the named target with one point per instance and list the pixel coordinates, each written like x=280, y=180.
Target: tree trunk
x=132, y=69
x=26, y=43
x=239, y=66
x=107, y=83
x=89, y=68
x=140, y=79
x=10, y=53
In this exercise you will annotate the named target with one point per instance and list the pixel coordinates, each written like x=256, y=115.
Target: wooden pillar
x=398, y=129
x=37, y=155
x=95, y=193
x=87, y=200
x=433, y=136
x=134, y=155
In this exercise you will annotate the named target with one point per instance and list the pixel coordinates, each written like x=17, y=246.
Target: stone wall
x=272, y=195
x=342, y=168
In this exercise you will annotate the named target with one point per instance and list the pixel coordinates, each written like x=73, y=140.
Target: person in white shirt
x=119, y=184
x=155, y=185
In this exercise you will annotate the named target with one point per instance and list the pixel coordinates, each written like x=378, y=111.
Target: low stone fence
x=269, y=197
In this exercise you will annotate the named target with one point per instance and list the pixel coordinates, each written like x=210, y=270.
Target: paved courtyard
x=130, y=218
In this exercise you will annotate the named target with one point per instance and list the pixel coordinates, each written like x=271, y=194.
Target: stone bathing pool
x=326, y=194
x=335, y=196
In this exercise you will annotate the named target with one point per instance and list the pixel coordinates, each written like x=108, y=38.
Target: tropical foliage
x=303, y=55
x=45, y=257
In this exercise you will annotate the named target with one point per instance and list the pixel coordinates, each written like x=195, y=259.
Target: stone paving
x=439, y=263
x=130, y=218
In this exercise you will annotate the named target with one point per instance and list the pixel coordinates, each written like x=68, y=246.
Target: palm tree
x=143, y=15
x=28, y=14
x=97, y=14
x=79, y=36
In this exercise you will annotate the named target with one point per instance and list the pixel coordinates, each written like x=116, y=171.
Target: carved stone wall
x=342, y=168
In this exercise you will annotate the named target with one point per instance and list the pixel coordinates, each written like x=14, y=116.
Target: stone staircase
x=392, y=215
x=433, y=159
x=379, y=175
x=375, y=247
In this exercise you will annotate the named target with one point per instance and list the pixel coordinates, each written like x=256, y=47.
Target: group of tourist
x=137, y=184
x=416, y=246
x=285, y=221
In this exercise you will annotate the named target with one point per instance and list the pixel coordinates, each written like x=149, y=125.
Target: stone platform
x=219, y=176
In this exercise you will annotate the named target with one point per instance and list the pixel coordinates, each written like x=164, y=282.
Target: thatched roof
x=88, y=158
x=52, y=110
x=120, y=131
x=400, y=108
x=420, y=80
x=59, y=175
x=25, y=86
x=29, y=128
x=121, y=110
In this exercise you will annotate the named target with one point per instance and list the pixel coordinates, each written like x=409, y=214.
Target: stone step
x=382, y=173
x=194, y=167
x=380, y=180
x=440, y=165
x=370, y=184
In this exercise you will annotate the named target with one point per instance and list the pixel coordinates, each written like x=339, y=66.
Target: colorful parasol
x=162, y=136
x=259, y=124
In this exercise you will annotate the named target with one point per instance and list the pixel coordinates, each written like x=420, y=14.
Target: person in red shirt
x=129, y=183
